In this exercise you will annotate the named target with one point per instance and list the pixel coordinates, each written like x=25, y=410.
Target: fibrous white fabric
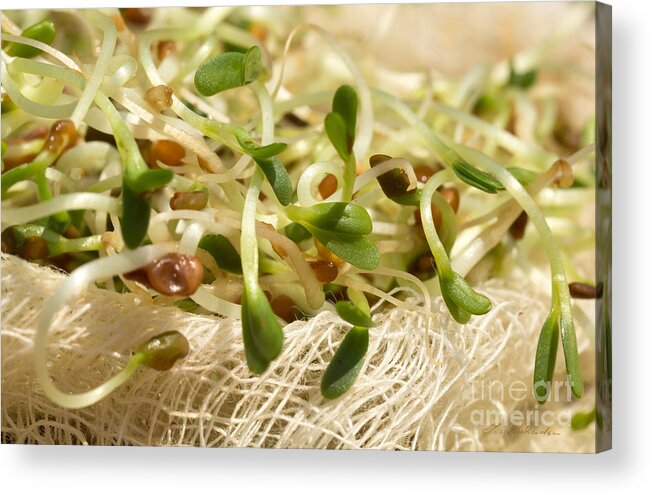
x=420, y=386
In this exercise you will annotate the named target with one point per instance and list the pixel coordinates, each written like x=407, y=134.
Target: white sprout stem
x=59, y=178
x=8, y=25
x=27, y=65
x=102, y=268
x=191, y=238
x=106, y=184
x=68, y=202
x=95, y=81
x=202, y=219
x=248, y=239
x=433, y=240
x=158, y=230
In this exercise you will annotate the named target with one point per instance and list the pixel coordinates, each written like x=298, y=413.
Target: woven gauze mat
x=417, y=389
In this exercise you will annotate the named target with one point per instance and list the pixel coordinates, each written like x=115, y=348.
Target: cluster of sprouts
x=174, y=154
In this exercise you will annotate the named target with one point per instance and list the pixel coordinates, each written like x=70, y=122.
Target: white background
x=28, y=468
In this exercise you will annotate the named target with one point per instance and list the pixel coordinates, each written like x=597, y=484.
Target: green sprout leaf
x=135, y=216
x=229, y=70
x=263, y=335
x=344, y=368
x=340, y=123
x=253, y=64
x=345, y=104
x=546, y=357
x=223, y=252
x=255, y=150
x=336, y=217
x=356, y=250
x=278, y=178
x=571, y=353
x=354, y=315
x=459, y=314
x=476, y=178
x=340, y=128
x=336, y=129
x=459, y=291
x=43, y=31
x=342, y=228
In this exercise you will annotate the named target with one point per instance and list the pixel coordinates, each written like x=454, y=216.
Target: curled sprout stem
x=103, y=268
x=461, y=299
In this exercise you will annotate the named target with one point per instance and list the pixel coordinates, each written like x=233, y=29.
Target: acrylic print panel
x=342, y=227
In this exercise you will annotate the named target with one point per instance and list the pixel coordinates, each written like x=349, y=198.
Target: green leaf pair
x=262, y=334
x=342, y=228
x=344, y=368
x=341, y=121
x=229, y=70
x=555, y=324
x=476, y=178
x=461, y=299
x=43, y=31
